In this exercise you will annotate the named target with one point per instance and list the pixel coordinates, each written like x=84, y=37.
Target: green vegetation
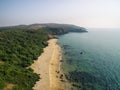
x=18, y=49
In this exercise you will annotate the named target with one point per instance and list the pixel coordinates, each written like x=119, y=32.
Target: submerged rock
x=82, y=52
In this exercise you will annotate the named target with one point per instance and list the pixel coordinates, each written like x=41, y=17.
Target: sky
x=85, y=13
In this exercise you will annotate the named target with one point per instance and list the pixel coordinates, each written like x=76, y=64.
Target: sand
x=48, y=68
x=9, y=87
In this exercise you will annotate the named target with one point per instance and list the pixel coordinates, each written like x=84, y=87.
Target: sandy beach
x=48, y=68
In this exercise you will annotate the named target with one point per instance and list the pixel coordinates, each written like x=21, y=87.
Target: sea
x=91, y=60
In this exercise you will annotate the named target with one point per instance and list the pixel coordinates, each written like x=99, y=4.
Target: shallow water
x=96, y=55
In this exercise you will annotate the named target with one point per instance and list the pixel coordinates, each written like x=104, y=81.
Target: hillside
x=52, y=28
x=18, y=49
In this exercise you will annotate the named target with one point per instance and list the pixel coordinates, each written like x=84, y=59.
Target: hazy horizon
x=85, y=13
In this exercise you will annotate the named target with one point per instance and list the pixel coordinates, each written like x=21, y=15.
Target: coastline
x=48, y=68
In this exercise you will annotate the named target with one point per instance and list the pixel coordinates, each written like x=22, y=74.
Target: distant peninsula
x=52, y=28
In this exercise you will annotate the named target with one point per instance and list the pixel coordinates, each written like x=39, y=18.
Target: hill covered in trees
x=52, y=28
x=20, y=46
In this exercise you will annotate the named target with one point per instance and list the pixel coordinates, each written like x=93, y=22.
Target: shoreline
x=48, y=68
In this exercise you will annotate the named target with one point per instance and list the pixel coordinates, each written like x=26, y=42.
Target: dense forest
x=19, y=47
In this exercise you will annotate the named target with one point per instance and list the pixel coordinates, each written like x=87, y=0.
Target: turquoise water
x=92, y=59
